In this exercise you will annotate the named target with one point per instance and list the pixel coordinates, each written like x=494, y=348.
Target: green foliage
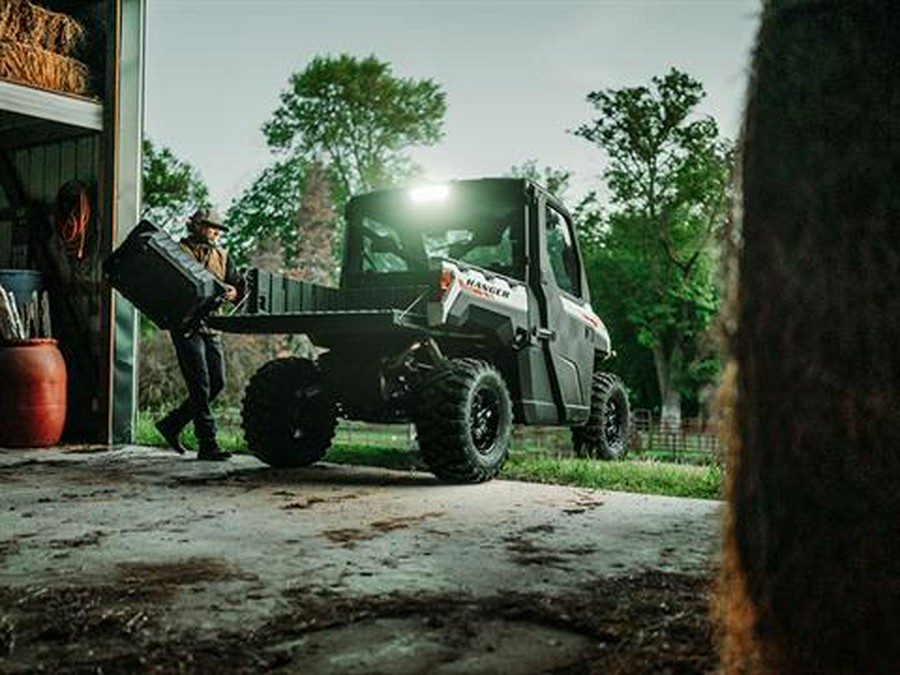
x=556, y=181
x=352, y=116
x=287, y=203
x=651, y=260
x=267, y=210
x=359, y=117
x=161, y=383
x=172, y=189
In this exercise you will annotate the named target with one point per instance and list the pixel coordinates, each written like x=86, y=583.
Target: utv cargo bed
x=279, y=305
x=322, y=326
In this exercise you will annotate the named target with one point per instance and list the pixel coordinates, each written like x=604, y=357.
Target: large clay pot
x=32, y=393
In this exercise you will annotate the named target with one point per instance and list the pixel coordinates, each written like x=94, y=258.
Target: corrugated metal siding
x=44, y=168
x=41, y=171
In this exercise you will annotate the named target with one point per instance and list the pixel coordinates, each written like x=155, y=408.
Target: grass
x=400, y=459
x=231, y=439
x=646, y=477
x=652, y=478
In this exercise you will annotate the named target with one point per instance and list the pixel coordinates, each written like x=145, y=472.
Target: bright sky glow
x=516, y=72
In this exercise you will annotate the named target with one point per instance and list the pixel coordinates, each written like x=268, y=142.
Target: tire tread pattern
x=590, y=440
x=442, y=422
x=272, y=395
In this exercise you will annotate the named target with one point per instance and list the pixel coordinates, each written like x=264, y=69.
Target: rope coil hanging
x=73, y=211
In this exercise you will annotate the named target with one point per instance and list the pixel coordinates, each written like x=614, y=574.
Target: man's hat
x=208, y=217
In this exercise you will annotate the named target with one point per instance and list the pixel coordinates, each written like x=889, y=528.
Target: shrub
x=161, y=386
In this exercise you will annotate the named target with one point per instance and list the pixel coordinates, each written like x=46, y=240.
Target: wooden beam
x=39, y=104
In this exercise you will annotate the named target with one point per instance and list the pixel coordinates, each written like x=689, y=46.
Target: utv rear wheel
x=288, y=417
x=605, y=436
x=464, y=421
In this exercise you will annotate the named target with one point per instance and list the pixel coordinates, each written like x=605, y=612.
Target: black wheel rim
x=612, y=422
x=303, y=414
x=485, y=420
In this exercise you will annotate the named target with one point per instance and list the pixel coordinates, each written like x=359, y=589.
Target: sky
x=516, y=72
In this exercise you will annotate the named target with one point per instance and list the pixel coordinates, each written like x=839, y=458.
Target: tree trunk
x=670, y=417
x=669, y=394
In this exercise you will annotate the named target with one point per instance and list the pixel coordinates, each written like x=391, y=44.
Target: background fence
x=695, y=441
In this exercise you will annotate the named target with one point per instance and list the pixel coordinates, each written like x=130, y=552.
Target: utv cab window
x=561, y=250
x=488, y=246
x=477, y=227
x=382, y=250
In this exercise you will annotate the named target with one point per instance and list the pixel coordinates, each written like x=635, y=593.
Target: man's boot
x=168, y=431
x=212, y=453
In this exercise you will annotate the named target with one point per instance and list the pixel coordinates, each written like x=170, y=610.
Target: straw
x=42, y=68
x=24, y=22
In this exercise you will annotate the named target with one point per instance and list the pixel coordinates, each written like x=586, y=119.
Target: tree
x=586, y=213
x=265, y=212
x=172, y=189
x=315, y=230
x=356, y=120
x=358, y=117
x=556, y=181
x=668, y=175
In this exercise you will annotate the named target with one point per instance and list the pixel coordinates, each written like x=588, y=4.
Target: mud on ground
x=136, y=561
x=652, y=623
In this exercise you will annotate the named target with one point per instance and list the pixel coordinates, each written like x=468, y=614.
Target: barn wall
x=39, y=171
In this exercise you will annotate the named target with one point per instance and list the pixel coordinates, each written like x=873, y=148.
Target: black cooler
x=162, y=280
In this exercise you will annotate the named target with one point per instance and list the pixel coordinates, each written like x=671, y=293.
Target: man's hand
x=231, y=293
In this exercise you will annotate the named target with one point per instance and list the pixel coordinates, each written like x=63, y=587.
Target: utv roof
x=499, y=182
x=464, y=181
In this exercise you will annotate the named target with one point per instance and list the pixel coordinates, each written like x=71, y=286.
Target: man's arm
x=234, y=280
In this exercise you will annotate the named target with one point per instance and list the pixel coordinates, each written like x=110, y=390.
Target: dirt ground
x=138, y=560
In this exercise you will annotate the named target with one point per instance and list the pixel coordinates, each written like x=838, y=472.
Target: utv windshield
x=478, y=222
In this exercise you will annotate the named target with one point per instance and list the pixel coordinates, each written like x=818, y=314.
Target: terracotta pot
x=32, y=393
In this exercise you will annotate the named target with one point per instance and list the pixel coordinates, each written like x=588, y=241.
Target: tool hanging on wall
x=73, y=211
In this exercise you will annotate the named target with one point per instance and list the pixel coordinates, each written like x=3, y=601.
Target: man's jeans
x=202, y=365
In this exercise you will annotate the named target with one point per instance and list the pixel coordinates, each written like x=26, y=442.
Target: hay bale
x=9, y=11
x=812, y=561
x=36, y=47
x=42, y=68
x=26, y=23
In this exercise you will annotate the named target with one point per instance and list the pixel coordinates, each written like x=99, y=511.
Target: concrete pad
x=231, y=545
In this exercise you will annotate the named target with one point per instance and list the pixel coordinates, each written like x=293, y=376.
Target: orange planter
x=32, y=393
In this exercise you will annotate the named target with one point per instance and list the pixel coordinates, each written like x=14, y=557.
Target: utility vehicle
x=462, y=308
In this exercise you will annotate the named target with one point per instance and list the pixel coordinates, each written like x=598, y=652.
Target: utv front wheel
x=288, y=417
x=605, y=435
x=464, y=421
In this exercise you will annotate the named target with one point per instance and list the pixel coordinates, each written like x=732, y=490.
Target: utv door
x=564, y=332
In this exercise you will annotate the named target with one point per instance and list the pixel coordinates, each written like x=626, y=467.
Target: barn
x=71, y=118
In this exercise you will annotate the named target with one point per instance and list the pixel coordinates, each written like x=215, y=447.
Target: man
x=200, y=353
